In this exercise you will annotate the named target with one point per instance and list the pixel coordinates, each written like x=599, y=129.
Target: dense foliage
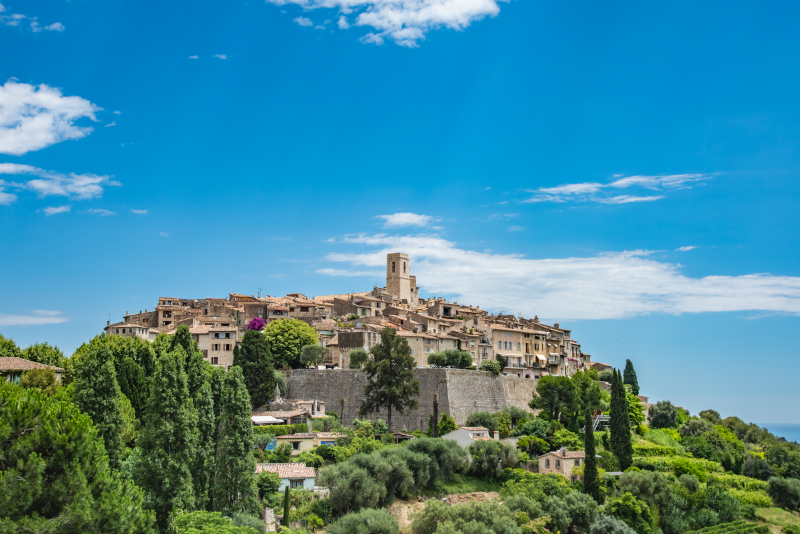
x=286, y=339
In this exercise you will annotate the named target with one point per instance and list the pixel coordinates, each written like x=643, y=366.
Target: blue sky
x=629, y=170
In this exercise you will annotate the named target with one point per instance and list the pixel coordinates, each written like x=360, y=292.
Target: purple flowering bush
x=256, y=324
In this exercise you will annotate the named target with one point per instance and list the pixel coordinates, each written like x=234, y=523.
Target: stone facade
x=461, y=392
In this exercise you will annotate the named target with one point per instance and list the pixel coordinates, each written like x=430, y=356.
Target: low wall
x=461, y=392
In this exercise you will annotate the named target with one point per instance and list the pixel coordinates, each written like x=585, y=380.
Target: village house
x=12, y=368
x=467, y=435
x=293, y=475
x=562, y=462
x=306, y=441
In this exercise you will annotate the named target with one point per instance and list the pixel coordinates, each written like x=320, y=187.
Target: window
x=167, y=315
x=117, y=330
x=577, y=461
x=574, y=478
x=215, y=346
x=227, y=335
x=558, y=464
x=303, y=308
x=392, y=266
x=260, y=313
x=472, y=344
x=227, y=346
x=499, y=344
x=412, y=351
x=144, y=320
x=404, y=266
x=216, y=335
x=214, y=360
x=295, y=484
x=519, y=345
x=363, y=312
x=205, y=354
x=377, y=304
x=296, y=445
x=547, y=463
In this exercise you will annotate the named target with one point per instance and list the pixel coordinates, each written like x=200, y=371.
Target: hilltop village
x=528, y=348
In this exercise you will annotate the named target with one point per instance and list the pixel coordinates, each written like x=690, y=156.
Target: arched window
x=392, y=266
x=404, y=266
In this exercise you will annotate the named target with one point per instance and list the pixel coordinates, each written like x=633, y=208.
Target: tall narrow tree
x=591, y=485
x=391, y=383
x=169, y=439
x=97, y=394
x=255, y=360
x=629, y=376
x=621, y=444
x=235, y=487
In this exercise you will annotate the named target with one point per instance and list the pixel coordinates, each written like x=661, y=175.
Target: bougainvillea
x=256, y=324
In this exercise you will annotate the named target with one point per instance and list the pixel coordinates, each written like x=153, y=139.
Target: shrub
x=365, y=522
x=759, y=499
x=267, y=483
x=257, y=323
x=606, y=524
x=249, y=521
x=447, y=457
x=683, y=466
x=651, y=449
x=280, y=430
x=484, y=517
x=785, y=492
x=652, y=488
x=358, y=357
x=487, y=456
x=533, y=445
x=565, y=438
x=631, y=511
x=690, y=482
x=695, y=427
x=536, y=427
x=484, y=419
x=492, y=366
x=190, y=523
x=663, y=415
x=791, y=529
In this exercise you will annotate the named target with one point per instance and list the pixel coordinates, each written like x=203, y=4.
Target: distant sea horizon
x=789, y=431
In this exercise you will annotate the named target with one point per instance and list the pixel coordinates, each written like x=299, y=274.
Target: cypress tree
x=255, y=360
x=630, y=377
x=97, y=395
x=235, y=485
x=183, y=338
x=591, y=485
x=132, y=383
x=285, y=521
x=169, y=439
x=203, y=466
x=620, y=424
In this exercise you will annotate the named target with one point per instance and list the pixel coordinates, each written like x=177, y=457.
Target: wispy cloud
x=342, y=272
x=607, y=286
x=39, y=317
x=303, y=21
x=515, y=229
x=164, y=234
x=110, y=124
x=686, y=248
x=139, y=212
x=101, y=212
x=6, y=198
x=52, y=210
x=400, y=220
x=406, y=22
x=32, y=118
x=16, y=19
x=597, y=192
x=221, y=56
x=49, y=183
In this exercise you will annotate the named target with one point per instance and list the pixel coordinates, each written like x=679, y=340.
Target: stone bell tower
x=398, y=279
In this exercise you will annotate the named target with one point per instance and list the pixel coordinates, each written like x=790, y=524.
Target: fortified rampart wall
x=461, y=392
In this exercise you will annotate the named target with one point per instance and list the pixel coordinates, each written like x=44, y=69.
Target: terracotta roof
x=475, y=428
x=20, y=364
x=312, y=435
x=483, y=438
x=292, y=470
x=283, y=415
x=568, y=454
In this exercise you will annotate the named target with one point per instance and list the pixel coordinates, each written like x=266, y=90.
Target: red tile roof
x=20, y=364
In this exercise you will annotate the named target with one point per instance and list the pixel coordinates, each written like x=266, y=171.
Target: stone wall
x=461, y=392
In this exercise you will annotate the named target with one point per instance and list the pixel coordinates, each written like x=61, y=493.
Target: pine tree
x=621, y=444
x=591, y=485
x=169, y=439
x=97, y=394
x=630, y=377
x=235, y=487
x=390, y=372
x=255, y=360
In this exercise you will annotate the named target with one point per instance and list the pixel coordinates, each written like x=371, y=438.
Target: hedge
x=280, y=430
x=759, y=499
x=740, y=482
x=734, y=527
x=664, y=463
x=651, y=449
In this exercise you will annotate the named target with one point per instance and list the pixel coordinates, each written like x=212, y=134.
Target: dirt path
x=402, y=509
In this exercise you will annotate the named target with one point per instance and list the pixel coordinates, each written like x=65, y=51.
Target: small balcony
x=552, y=361
x=485, y=341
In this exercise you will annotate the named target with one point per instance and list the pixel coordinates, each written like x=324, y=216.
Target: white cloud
x=110, y=124
x=6, y=198
x=139, y=212
x=686, y=248
x=607, y=286
x=404, y=21
x=515, y=229
x=342, y=272
x=47, y=183
x=399, y=220
x=101, y=212
x=59, y=209
x=319, y=27
x=55, y=27
x=164, y=234
x=117, y=113
x=32, y=118
x=597, y=192
x=343, y=24
x=221, y=56
x=193, y=57
x=38, y=317
x=302, y=21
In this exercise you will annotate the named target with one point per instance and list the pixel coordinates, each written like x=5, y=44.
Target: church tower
x=398, y=277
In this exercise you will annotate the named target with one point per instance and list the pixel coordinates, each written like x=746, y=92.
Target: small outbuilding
x=294, y=475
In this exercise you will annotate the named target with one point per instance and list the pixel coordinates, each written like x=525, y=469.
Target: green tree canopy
x=54, y=473
x=390, y=377
x=484, y=419
x=556, y=395
x=663, y=415
x=312, y=355
x=254, y=358
x=41, y=379
x=712, y=416
x=9, y=349
x=358, y=357
x=97, y=394
x=286, y=338
x=169, y=439
x=630, y=377
x=492, y=366
x=46, y=354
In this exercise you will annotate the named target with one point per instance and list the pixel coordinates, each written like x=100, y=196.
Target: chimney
x=555, y=325
x=497, y=435
x=309, y=425
x=316, y=407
